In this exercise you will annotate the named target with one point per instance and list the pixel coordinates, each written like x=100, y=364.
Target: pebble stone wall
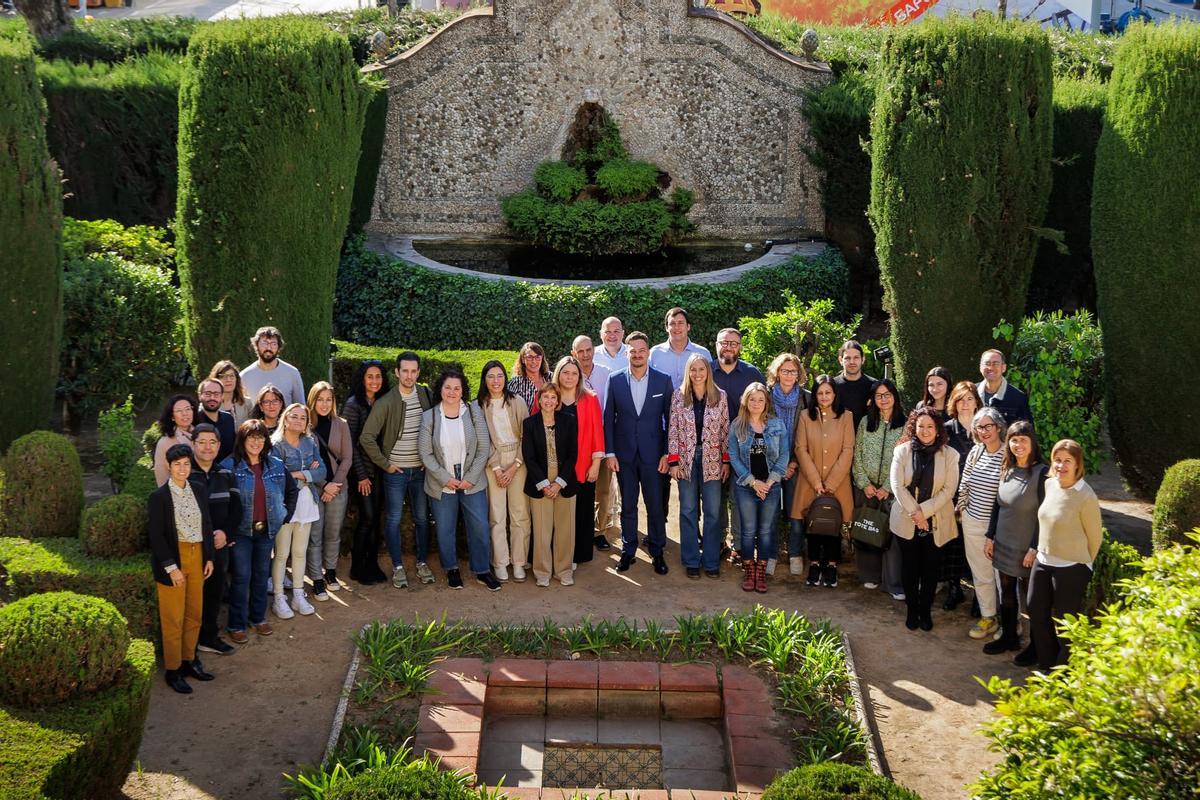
x=475, y=108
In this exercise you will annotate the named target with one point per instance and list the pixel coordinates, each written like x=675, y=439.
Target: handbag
x=871, y=524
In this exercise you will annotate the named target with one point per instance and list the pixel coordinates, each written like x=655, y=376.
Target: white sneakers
x=771, y=562
x=301, y=602
x=796, y=565
x=543, y=581
x=518, y=573
x=501, y=572
x=281, y=607
x=567, y=579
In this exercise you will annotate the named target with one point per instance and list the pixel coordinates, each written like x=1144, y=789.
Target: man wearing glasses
x=209, y=392
x=996, y=392
x=732, y=375
x=270, y=368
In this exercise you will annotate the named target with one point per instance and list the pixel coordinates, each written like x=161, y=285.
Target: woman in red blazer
x=577, y=400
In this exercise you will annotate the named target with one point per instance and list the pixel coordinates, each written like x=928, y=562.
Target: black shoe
x=218, y=646
x=625, y=563
x=713, y=573
x=913, y=620
x=454, y=579
x=693, y=573
x=1027, y=657
x=488, y=580
x=954, y=596
x=601, y=543
x=1002, y=645
x=660, y=565
x=331, y=579
x=365, y=580
x=194, y=669
x=829, y=576
x=926, y=621
x=176, y=682
x=814, y=574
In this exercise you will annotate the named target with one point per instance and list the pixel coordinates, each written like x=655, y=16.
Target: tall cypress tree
x=30, y=242
x=960, y=173
x=270, y=120
x=1146, y=249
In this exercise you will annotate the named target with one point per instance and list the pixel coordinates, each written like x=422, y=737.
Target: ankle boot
x=1027, y=657
x=954, y=596
x=913, y=620
x=760, y=577
x=750, y=570
x=175, y=681
x=1009, y=640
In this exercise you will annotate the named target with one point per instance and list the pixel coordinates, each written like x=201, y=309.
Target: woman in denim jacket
x=268, y=497
x=301, y=457
x=758, y=456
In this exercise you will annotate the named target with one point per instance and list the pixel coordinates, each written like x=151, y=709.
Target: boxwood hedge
x=348, y=356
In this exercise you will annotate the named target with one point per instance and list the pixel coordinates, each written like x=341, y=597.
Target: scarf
x=786, y=404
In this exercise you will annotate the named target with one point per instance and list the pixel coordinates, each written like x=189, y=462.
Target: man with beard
x=209, y=392
x=853, y=386
x=270, y=368
x=732, y=375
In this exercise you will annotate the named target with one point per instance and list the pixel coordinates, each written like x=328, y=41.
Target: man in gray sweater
x=270, y=368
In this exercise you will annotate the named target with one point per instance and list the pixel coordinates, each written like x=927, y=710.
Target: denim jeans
x=408, y=482
x=758, y=521
x=693, y=494
x=325, y=536
x=249, y=567
x=795, y=541
x=479, y=542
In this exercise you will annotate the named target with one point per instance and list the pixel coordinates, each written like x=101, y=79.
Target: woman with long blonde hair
x=577, y=400
x=758, y=456
x=332, y=434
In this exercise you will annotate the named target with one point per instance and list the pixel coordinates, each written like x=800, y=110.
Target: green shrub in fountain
x=43, y=487
x=114, y=527
x=596, y=201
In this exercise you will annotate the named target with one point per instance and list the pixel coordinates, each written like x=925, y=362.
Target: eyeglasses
x=883, y=396
x=789, y=372
x=211, y=393
x=270, y=401
x=993, y=363
x=985, y=428
x=729, y=344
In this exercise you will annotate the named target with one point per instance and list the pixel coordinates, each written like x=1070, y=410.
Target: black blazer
x=164, y=539
x=533, y=452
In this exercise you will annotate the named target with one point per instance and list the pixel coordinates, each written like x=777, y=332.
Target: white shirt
x=454, y=444
x=598, y=382
x=612, y=363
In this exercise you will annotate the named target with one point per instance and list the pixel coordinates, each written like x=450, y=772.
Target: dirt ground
x=273, y=701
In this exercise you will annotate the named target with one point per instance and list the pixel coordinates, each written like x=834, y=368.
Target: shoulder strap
x=882, y=450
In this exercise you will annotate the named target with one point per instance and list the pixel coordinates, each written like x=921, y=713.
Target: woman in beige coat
x=924, y=475
x=508, y=506
x=824, y=446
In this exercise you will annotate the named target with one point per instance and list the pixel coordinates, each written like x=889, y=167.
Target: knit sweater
x=1069, y=523
x=873, y=455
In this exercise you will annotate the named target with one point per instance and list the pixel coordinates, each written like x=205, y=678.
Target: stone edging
x=860, y=709
x=339, y=716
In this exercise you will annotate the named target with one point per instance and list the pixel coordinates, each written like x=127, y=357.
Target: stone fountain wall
x=475, y=108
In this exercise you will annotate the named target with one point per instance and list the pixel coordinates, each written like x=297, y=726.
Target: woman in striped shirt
x=530, y=373
x=976, y=496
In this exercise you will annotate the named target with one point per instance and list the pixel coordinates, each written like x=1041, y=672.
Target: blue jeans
x=795, y=541
x=408, y=482
x=758, y=521
x=249, y=568
x=479, y=541
x=692, y=494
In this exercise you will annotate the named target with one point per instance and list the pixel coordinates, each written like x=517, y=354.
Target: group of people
x=545, y=465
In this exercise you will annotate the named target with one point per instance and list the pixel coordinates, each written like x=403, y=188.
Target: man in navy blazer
x=636, y=414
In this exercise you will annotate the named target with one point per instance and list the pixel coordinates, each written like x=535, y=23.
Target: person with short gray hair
x=976, y=496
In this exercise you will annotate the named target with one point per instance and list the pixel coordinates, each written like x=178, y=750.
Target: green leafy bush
x=1123, y=719
x=141, y=244
x=767, y=336
x=403, y=31
x=140, y=480
x=55, y=645
x=960, y=175
x=1146, y=183
x=1177, y=504
x=84, y=748
x=366, y=174
x=43, y=486
x=114, y=40
x=384, y=301
x=30, y=567
x=1114, y=564
x=628, y=180
x=120, y=336
x=114, y=527
x=118, y=442
x=112, y=128
x=832, y=781
x=559, y=181
x=1059, y=361
x=259, y=225
x=30, y=253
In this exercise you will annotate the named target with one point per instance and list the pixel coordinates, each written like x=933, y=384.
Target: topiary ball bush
x=414, y=780
x=1177, y=504
x=115, y=527
x=43, y=487
x=57, y=644
x=830, y=781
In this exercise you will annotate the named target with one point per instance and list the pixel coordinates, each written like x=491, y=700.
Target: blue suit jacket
x=632, y=436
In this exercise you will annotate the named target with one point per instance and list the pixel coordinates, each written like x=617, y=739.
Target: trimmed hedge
x=270, y=121
x=1116, y=562
x=1177, y=504
x=1123, y=718
x=348, y=356
x=384, y=301
x=1066, y=279
x=30, y=224
x=115, y=527
x=960, y=155
x=82, y=749
x=113, y=129
x=114, y=40
x=832, y=781
x=366, y=174
x=50, y=565
x=43, y=487
x=1146, y=245
x=56, y=645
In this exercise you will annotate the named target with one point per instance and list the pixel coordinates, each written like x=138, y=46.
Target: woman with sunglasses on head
x=370, y=382
x=301, y=456
x=878, y=434
x=508, y=507
x=233, y=396
x=530, y=374
x=976, y=496
x=268, y=407
x=961, y=406
x=175, y=425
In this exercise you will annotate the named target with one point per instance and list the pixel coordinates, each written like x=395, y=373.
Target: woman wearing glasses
x=976, y=496
x=233, y=397
x=786, y=378
x=530, y=374
x=175, y=424
x=268, y=407
x=960, y=413
x=878, y=434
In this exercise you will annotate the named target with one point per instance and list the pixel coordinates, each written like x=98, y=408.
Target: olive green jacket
x=386, y=424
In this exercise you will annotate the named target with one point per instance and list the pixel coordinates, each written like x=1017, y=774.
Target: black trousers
x=824, y=549
x=1054, y=592
x=214, y=590
x=585, y=522
x=364, y=553
x=920, y=566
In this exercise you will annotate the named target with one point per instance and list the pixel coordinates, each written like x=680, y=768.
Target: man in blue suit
x=635, y=429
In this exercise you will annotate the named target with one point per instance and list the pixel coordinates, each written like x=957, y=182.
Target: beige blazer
x=939, y=507
x=517, y=412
